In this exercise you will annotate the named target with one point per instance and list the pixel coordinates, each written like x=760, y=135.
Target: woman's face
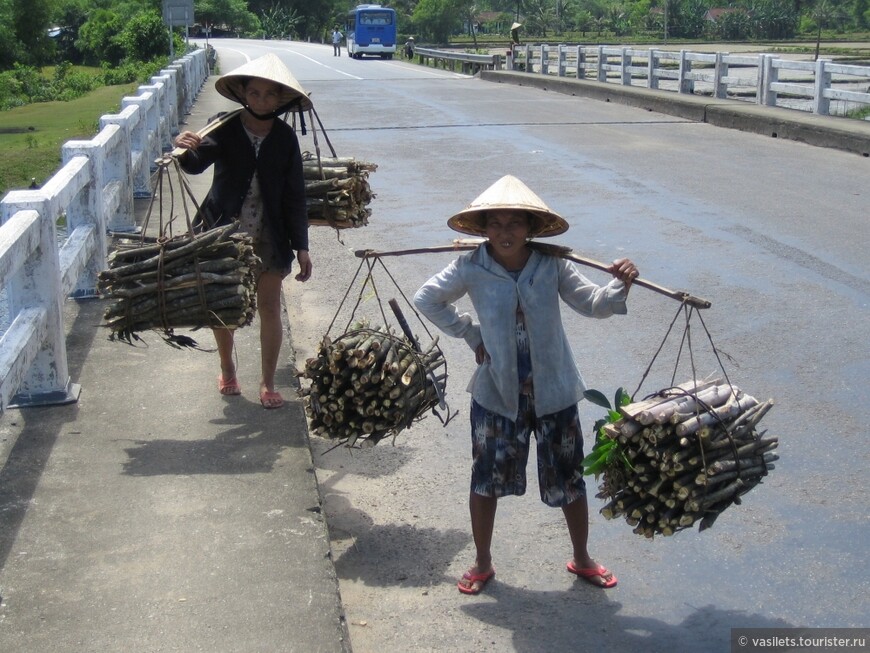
x=507, y=231
x=262, y=95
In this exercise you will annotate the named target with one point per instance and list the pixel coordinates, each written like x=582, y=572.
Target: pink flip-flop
x=591, y=572
x=229, y=387
x=271, y=399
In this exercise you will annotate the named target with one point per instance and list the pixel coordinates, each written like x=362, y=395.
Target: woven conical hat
x=270, y=68
x=508, y=193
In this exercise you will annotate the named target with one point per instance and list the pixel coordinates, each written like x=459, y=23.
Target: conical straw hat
x=270, y=68
x=508, y=193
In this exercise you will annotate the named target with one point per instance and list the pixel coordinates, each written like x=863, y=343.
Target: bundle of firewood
x=338, y=191
x=369, y=383
x=683, y=456
x=204, y=280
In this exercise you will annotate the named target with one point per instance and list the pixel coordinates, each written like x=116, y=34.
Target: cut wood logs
x=369, y=383
x=206, y=280
x=683, y=456
x=337, y=191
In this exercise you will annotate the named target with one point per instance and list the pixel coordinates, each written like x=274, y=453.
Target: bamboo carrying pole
x=465, y=244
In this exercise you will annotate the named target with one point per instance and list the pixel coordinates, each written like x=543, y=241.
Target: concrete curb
x=822, y=131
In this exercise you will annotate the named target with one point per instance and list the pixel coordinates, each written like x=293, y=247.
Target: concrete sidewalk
x=155, y=514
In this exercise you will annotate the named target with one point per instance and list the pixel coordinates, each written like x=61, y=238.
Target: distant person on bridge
x=527, y=379
x=336, y=42
x=258, y=180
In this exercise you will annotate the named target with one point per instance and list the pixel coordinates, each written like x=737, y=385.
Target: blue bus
x=371, y=29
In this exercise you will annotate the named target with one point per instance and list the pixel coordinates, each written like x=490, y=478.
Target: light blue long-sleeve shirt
x=495, y=295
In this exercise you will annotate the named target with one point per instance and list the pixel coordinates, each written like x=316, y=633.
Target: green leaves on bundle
x=606, y=453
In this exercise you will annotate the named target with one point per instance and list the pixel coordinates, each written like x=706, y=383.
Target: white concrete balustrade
x=93, y=192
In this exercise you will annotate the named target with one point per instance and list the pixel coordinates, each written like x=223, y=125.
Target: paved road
x=773, y=232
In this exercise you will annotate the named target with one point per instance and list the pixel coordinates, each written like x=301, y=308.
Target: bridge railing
x=93, y=193
x=467, y=62
x=760, y=78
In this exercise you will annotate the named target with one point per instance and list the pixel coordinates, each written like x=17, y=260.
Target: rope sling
x=370, y=382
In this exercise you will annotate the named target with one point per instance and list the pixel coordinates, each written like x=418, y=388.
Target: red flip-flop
x=475, y=577
x=589, y=573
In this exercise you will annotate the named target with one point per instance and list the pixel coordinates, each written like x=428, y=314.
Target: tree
x=230, y=14
x=70, y=16
x=436, y=19
x=98, y=38
x=279, y=22
x=144, y=37
x=31, y=20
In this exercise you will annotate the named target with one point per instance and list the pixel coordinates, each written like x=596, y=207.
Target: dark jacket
x=279, y=168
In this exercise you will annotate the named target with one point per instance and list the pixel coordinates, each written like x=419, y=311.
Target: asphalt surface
x=156, y=515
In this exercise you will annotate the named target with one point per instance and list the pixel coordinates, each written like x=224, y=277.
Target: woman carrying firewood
x=527, y=379
x=258, y=181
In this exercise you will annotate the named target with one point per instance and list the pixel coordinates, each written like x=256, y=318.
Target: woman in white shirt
x=526, y=378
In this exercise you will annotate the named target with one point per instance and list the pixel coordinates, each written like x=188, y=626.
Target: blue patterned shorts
x=500, y=451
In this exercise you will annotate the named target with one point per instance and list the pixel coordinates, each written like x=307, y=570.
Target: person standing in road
x=258, y=181
x=336, y=42
x=526, y=378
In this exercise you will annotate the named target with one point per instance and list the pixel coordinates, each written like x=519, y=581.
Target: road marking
x=340, y=72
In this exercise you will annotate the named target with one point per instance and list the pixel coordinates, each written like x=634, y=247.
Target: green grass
x=31, y=136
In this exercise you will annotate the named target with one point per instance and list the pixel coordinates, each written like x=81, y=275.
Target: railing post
x=625, y=64
x=769, y=75
x=528, y=61
x=581, y=62
x=601, y=75
x=652, y=75
x=545, y=62
x=132, y=120
x=150, y=126
x=821, y=103
x=88, y=209
x=720, y=71
x=37, y=286
x=563, y=60
x=158, y=88
x=686, y=85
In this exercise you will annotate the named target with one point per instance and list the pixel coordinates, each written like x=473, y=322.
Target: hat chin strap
x=295, y=103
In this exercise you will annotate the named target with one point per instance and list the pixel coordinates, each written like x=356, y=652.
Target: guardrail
x=469, y=63
x=762, y=78
x=93, y=191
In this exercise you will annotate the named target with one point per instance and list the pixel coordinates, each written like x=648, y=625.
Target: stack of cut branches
x=206, y=280
x=369, y=383
x=682, y=456
x=338, y=191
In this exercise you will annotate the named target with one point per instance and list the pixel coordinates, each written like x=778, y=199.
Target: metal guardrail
x=93, y=191
x=468, y=62
x=767, y=80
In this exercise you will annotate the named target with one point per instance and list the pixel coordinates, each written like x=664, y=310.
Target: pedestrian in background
x=526, y=378
x=258, y=181
x=336, y=42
